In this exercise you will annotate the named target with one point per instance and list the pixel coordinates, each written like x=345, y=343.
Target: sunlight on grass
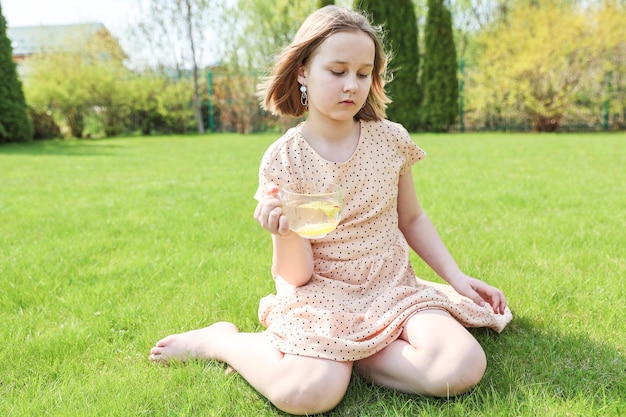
x=109, y=245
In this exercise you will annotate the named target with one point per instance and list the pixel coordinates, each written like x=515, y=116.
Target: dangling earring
x=304, y=99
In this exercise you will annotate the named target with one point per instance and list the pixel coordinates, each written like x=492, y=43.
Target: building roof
x=27, y=40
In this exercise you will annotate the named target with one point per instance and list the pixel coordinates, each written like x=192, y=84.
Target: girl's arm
x=423, y=238
x=293, y=255
x=292, y=259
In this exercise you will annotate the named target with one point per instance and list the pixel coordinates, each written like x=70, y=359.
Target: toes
x=157, y=357
x=163, y=342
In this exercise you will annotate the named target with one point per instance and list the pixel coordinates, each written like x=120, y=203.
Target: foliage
x=609, y=23
x=267, y=28
x=542, y=64
x=179, y=30
x=79, y=82
x=322, y=3
x=96, y=97
x=400, y=23
x=69, y=83
x=156, y=104
x=536, y=64
x=439, y=76
x=15, y=125
x=44, y=125
x=176, y=109
x=235, y=100
x=259, y=30
x=146, y=99
x=469, y=18
x=115, y=243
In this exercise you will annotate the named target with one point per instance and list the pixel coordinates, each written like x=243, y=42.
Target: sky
x=116, y=15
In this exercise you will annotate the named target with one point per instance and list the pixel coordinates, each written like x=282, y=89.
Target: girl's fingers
x=498, y=302
x=272, y=189
x=502, y=305
x=475, y=296
x=268, y=210
x=257, y=211
x=283, y=225
x=268, y=214
x=479, y=300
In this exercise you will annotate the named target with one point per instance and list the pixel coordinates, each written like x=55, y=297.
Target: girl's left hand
x=480, y=292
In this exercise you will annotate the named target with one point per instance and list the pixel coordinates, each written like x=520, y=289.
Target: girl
x=349, y=300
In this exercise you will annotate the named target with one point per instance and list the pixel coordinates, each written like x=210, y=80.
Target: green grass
x=108, y=245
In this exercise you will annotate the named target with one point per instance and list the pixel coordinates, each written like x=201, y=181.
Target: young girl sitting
x=349, y=300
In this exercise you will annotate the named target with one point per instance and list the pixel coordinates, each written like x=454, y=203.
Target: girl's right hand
x=269, y=213
x=480, y=292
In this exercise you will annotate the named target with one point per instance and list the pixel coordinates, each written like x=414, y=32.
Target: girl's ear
x=302, y=75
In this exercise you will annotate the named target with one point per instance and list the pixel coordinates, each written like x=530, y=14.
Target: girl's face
x=338, y=75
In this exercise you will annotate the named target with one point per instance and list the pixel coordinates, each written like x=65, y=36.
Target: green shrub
x=439, y=76
x=15, y=126
x=400, y=25
x=44, y=125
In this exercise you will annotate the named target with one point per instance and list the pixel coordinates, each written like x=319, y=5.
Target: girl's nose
x=351, y=85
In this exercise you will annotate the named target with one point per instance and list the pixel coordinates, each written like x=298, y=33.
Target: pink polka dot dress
x=363, y=288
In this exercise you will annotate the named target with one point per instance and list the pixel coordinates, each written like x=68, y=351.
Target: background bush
x=15, y=126
x=44, y=125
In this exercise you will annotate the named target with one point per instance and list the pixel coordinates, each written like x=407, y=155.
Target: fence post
x=209, y=80
x=461, y=98
x=607, y=102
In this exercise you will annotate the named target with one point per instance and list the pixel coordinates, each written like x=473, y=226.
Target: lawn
x=108, y=245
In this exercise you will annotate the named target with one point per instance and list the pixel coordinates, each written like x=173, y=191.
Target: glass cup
x=313, y=210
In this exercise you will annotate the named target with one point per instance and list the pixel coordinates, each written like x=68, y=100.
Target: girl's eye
x=340, y=73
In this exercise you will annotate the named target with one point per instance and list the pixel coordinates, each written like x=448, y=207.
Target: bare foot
x=195, y=344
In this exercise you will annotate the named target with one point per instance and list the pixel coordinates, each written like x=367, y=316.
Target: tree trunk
x=197, y=107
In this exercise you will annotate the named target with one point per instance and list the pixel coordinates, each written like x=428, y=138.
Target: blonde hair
x=280, y=93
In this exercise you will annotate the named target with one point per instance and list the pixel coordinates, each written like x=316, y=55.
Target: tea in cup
x=312, y=210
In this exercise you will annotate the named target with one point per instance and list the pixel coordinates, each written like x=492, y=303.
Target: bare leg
x=435, y=355
x=294, y=384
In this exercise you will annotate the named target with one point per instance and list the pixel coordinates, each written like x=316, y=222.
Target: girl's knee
x=315, y=393
x=464, y=373
x=307, y=400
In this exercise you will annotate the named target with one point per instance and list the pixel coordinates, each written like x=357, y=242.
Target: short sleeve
x=275, y=166
x=267, y=174
x=407, y=148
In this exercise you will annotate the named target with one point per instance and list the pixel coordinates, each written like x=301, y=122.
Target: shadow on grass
x=531, y=371
x=564, y=366
x=89, y=147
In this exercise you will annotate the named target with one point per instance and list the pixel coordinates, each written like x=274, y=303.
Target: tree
x=267, y=28
x=537, y=63
x=258, y=31
x=322, y=3
x=15, y=124
x=236, y=101
x=439, y=77
x=469, y=18
x=399, y=20
x=177, y=34
x=78, y=82
x=609, y=26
